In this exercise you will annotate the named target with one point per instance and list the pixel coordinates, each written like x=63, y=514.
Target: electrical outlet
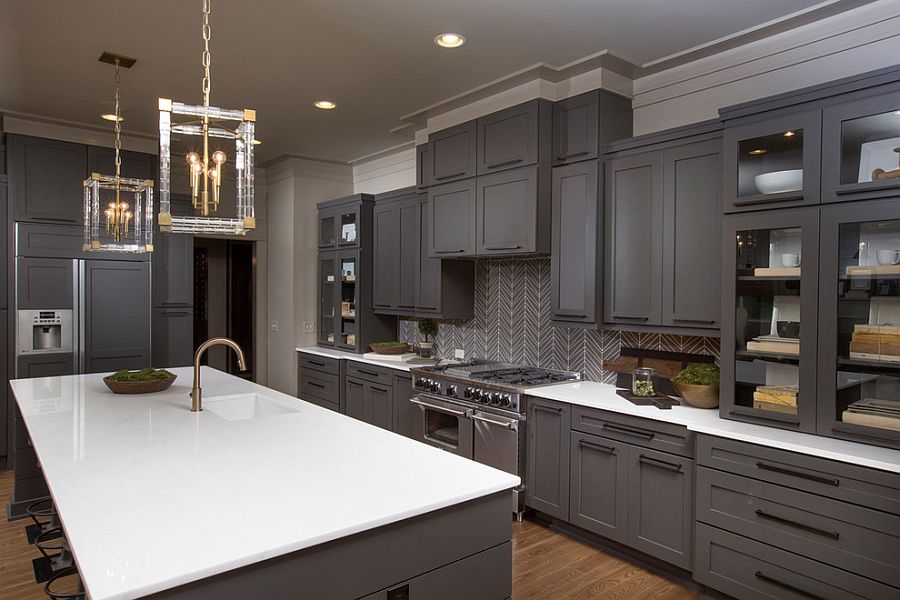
x=460, y=354
x=273, y=326
x=308, y=327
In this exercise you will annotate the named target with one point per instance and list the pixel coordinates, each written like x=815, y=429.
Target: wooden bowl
x=139, y=387
x=701, y=396
x=379, y=349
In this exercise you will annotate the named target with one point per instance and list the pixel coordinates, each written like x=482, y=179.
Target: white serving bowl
x=780, y=181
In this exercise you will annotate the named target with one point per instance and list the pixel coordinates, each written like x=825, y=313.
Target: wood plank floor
x=546, y=565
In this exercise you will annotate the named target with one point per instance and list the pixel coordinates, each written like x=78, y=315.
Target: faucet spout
x=196, y=394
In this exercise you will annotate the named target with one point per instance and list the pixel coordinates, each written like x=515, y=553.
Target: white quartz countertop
x=340, y=354
x=603, y=396
x=153, y=496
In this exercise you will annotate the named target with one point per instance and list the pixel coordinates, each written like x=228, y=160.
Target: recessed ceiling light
x=449, y=40
x=257, y=142
x=758, y=152
x=324, y=104
x=111, y=117
x=790, y=133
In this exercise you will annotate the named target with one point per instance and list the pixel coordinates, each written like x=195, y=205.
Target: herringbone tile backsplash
x=512, y=323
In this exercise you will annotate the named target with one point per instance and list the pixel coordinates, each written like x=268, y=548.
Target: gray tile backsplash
x=512, y=323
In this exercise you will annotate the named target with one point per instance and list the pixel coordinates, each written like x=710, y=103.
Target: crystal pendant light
x=118, y=211
x=205, y=133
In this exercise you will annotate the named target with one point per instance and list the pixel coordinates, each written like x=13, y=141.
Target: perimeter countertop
x=603, y=396
x=153, y=496
x=341, y=354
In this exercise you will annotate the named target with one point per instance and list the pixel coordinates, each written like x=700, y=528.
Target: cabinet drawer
x=867, y=487
x=314, y=384
x=851, y=537
x=320, y=363
x=750, y=570
x=675, y=439
x=26, y=464
x=370, y=373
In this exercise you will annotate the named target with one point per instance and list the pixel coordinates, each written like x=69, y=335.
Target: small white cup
x=888, y=257
x=790, y=259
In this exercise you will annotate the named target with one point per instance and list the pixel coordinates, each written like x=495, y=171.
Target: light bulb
x=212, y=174
x=192, y=158
x=218, y=157
x=197, y=167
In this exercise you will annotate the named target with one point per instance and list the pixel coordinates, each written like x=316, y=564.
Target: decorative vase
x=426, y=349
x=700, y=396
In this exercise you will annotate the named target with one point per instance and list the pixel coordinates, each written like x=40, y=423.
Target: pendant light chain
x=206, y=57
x=118, y=127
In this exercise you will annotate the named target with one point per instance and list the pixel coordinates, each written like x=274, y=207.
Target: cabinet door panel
x=4, y=246
x=506, y=214
x=577, y=227
x=385, y=274
x=423, y=166
x=508, y=138
x=355, y=399
x=135, y=165
x=451, y=219
x=599, y=485
x=692, y=266
x=117, y=324
x=45, y=283
x=403, y=410
x=380, y=409
x=547, y=457
x=47, y=178
x=173, y=269
x=407, y=265
x=576, y=128
x=173, y=337
x=45, y=365
x=452, y=153
x=633, y=239
x=660, y=505
x=428, y=293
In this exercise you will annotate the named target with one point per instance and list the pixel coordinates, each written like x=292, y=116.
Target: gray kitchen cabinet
x=4, y=244
x=515, y=137
x=345, y=222
x=451, y=153
x=50, y=240
x=369, y=402
x=547, y=457
x=660, y=505
x=445, y=288
x=172, y=337
x=45, y=283
x=599, y=486
x=423, y=175
x=692, y=268
x=6, y=412
x=513, y=212
x=403, y=391
x=355, y=398
x=135, y=165
x=173, y=263
x=634, y=229
x=46, y=178
x=45, y=365
x=320, y=380
x=451, y=219
x=117, y=326
x=576, y=250
x=583, y=124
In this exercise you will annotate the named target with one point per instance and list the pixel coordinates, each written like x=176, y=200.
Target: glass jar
x=642, y=382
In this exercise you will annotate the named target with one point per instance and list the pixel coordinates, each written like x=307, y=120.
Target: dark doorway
x=240, y=303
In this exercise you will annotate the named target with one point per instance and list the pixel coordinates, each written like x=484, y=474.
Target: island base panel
x=463, y=551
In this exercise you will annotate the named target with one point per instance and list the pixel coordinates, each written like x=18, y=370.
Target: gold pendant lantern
x=118, y=211
x=205, y=134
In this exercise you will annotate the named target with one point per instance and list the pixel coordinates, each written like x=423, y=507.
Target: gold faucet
x=196, y=395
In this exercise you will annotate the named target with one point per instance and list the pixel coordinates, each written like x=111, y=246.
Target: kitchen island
x=260, y=495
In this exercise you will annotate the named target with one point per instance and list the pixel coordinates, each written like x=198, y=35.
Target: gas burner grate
x=522, y=376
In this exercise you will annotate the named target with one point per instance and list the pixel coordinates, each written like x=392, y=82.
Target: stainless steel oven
x=442, y=424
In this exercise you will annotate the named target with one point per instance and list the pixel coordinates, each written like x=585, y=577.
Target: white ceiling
x=375, y=58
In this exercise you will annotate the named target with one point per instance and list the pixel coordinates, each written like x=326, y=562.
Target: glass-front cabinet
x=768, y=355
x=773, y=162
x=861, y=149
x=338, y=299
x=339, y=227
x=859, y=361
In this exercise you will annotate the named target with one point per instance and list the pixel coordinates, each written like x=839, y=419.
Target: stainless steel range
x=476, y=409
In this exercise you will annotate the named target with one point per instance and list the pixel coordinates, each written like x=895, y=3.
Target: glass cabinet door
x=348, y=226
x=329, y=281
x=349, y=300
x=861, y=149
x=773, y=162
x=768, y=357
x=327, y=229
x=859, y=370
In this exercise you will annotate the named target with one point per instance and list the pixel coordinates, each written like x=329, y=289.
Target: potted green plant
x=698, y=385
x=427, y=328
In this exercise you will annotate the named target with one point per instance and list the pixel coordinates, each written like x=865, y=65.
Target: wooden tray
x=659, y=401
x=139, y=387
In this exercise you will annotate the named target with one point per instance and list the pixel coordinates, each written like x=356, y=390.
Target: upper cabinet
x=451, y=153
x=773, y=162
x=340, y=224
x=135, y=165
x=423, y=168
x=45, y=179
x=861, y=149
x=512, y=212
x=584, y=124
x=514, y=137
x=451, y=219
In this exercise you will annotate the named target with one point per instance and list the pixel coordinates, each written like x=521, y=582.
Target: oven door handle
x=512, y=424
x=444, y=409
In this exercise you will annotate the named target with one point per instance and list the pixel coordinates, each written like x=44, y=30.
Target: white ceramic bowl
x=780, y=181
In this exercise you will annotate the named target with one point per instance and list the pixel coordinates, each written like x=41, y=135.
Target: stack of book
x=874, y=412
x=776, y=398
x=772, y=344
x=876, y=342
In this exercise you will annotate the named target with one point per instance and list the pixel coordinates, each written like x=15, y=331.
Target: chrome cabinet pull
x=511, y=424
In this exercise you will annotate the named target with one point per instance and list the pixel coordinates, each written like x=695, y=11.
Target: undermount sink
x=242, y=407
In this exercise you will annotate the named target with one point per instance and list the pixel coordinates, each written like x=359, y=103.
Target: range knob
x=468, y=392
x=495, y=398
x=451, y=391
x=420, y=383
x=505, y=400
x=476, y=394
x=435, y=386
